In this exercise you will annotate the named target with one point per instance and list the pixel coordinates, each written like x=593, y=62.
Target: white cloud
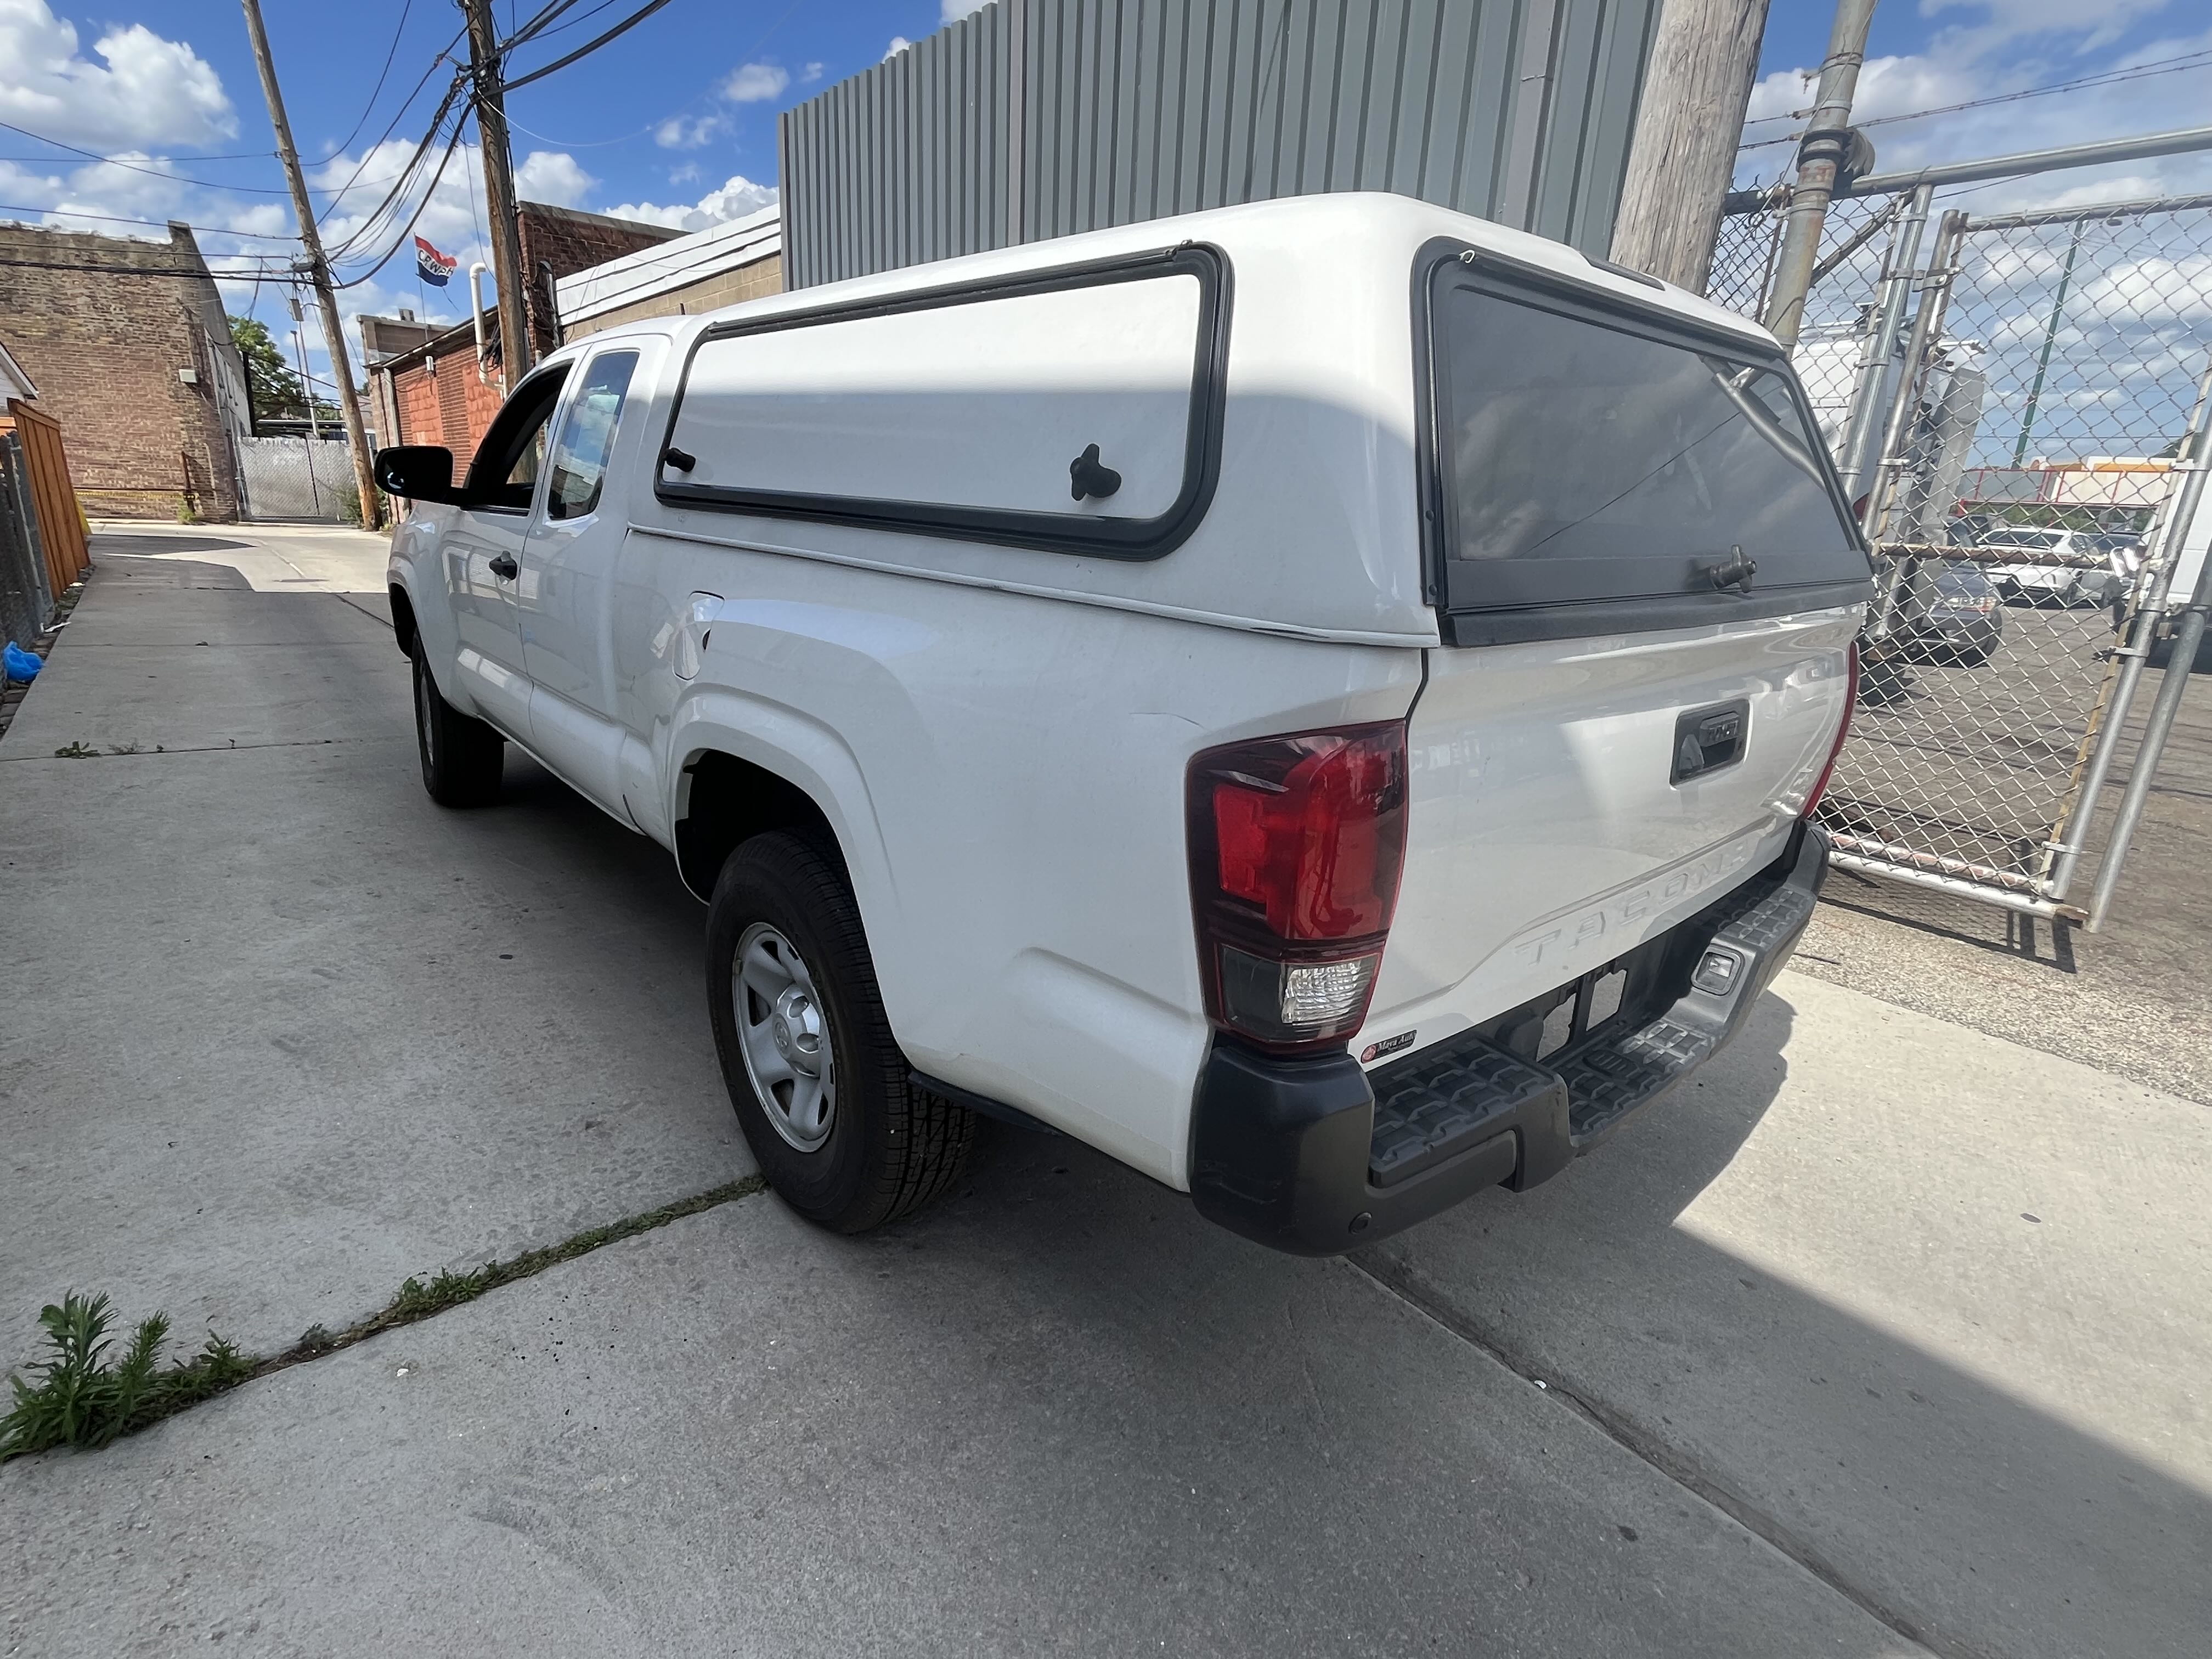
x=147, y=90
x=811, y=72
x=689, y=173
x=899, y=44
x=951, y=11
x=753, y=83
x=688, y=132
x=552, y=177
x=734, y=200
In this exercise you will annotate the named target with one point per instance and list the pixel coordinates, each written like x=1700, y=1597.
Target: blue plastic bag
x=20, y=663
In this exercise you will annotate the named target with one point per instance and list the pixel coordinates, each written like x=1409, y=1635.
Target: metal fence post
x=1935, y=291
x=1866, y=424
x=2173, y=525
x=2171, y=687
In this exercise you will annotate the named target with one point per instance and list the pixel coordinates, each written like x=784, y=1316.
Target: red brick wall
x=441, y=402
x=104, y=348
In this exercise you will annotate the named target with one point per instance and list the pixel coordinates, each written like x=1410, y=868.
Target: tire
x=784, y=943
x=462, y=756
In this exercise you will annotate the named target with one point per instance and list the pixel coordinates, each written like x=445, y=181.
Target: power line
x=589, y=46
x=2112, y=77
x=120, y=219
x=406, y=7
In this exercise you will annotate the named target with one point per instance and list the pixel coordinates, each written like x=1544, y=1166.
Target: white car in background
x=2062, y=583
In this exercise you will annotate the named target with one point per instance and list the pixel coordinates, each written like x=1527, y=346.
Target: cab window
x=587, y=436
x=503, y=477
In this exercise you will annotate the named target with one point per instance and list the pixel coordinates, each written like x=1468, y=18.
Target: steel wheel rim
x=783, y=1032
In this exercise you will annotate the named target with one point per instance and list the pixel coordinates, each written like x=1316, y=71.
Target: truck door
x=482, y=553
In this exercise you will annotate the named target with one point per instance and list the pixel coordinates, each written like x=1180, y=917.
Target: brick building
x=131, y=350
x=437, y=391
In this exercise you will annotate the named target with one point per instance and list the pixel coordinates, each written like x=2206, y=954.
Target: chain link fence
x=297, y=478
x=2026, y=444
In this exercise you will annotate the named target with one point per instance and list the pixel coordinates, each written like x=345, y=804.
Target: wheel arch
x=402, y=619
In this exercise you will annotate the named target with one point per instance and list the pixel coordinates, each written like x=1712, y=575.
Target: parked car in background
x=1955, y=615
x=2045, y=583
x=1322, y=700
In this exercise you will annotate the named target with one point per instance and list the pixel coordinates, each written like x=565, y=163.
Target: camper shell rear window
x=1596, y=465
x=1077, y=409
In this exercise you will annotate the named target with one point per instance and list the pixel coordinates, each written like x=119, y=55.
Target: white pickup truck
x=1320, y=700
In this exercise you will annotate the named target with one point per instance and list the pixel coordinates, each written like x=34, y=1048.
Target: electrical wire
x=407, y=230
x=589, y=46
x=2178, y=65
x=120, y=219
x=367, y=229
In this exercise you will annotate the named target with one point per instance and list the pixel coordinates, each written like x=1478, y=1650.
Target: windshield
x=1583, y=461
x=2022, y=538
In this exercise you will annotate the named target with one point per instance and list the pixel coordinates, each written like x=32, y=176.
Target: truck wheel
x=461, y=756
x=820, y=1087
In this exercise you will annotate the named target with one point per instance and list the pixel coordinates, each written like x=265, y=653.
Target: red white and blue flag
x=431, y=266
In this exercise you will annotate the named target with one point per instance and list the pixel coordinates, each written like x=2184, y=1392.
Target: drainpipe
x=476, y=311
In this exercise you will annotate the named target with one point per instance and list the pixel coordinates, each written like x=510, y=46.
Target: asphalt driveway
x=1885, y=1338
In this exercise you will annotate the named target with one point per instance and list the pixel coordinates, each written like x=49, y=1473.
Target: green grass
x=86, y=1397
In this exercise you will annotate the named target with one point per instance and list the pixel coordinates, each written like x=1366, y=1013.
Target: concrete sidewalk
x=1885, y=1334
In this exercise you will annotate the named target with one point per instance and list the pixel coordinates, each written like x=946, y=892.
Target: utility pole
x=1688, y=123
x=1820, y=154
x=484, y=69
x=318, y=272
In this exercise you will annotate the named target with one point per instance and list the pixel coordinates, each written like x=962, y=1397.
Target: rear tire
x=462, y=756
x=820, y=1085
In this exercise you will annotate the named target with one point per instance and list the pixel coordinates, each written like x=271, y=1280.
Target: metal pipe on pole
x=1897, y=277
x=318, y=273
x=490, y=99
x=1820, y=154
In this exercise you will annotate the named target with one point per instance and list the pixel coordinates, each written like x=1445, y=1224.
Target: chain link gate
x=2021, y=460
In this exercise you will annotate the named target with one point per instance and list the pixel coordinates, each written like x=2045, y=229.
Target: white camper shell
x=1320, y=700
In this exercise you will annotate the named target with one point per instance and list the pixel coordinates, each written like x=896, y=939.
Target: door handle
x=504, y=567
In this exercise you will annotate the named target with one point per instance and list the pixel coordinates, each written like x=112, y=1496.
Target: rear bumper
x=1317, y=1157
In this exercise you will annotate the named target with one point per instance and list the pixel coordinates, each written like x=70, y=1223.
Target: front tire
x=462, y=756
x=820, y=1087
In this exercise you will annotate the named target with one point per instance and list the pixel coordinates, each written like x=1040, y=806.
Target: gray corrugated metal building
x=1518, y=110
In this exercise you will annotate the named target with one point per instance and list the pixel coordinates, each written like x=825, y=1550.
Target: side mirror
x=416, y=472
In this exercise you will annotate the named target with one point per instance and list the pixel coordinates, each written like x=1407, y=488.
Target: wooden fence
x=61, y=524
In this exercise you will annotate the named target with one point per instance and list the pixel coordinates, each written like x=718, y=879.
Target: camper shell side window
x=1077, y=409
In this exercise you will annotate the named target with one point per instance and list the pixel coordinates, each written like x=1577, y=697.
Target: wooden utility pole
x=484, y=69
x=1688, y=123
x=318, y=273
x=1821, y=156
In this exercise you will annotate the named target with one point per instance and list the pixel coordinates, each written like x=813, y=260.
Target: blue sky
x=677, y=121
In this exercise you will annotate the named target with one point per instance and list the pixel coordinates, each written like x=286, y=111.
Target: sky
x=149, y=110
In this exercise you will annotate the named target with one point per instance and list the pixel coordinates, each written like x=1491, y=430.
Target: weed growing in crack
x=77, y=750
x=82, y=1397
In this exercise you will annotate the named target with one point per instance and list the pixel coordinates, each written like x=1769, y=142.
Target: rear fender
x=812, y=757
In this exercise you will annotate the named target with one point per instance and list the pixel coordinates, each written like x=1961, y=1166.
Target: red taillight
x=1295, y=848
x=1844, y=730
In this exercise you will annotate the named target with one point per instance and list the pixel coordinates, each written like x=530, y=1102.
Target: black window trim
x=1445, y=259
x=558, y=374
x=1063, y=532
x=567, y=400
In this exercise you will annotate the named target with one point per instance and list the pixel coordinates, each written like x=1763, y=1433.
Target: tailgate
x=1556, y=820
x=1648, y=583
